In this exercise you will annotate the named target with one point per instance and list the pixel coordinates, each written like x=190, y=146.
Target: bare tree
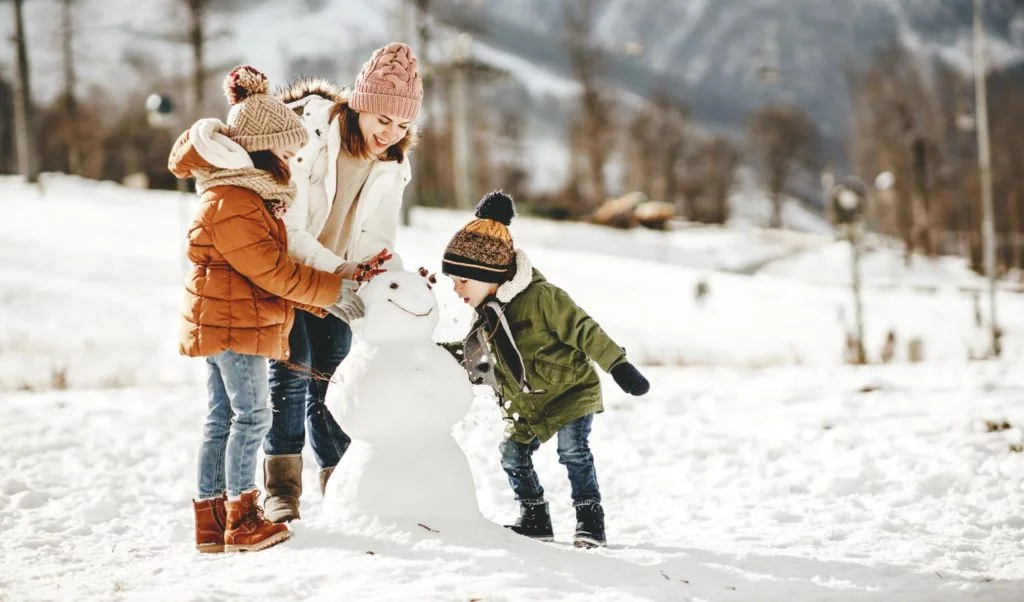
x=676, y=121
x=7, y=152
x=709, y=180
x=643, y=151
x=657, y=142
x=24, y=111
x=898, y=126
x=1007, y=128
x=594, y=127
x=67, y=31
x=512, y=173
x=785, y=138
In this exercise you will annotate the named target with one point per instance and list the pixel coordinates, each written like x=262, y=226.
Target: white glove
x=349, y=305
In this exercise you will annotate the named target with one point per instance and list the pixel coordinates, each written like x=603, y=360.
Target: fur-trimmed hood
x=523, y=278
x=319, y=102
x=304, y=87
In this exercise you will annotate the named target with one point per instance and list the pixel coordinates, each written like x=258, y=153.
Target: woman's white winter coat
x=314, y=171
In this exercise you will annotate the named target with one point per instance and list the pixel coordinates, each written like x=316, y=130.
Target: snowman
x=397, y=396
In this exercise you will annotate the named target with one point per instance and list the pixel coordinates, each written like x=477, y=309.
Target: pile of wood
x=634, y=209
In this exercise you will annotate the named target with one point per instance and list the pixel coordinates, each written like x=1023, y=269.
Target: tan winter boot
x=325, y=475
x=282, y=478
x=247, y=529
x=211, y=517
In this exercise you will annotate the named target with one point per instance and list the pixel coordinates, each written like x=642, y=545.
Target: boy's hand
x=630, y=380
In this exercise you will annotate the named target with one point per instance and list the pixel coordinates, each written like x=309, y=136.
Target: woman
x=350, y=178
x=239, y=297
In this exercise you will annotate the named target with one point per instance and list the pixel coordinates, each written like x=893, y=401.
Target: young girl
x=350, y=176
x=534, y=345
x=239, y=297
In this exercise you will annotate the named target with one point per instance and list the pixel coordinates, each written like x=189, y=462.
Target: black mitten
x=630, y=380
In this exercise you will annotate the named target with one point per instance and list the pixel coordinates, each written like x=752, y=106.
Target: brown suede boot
x=247, y=529
x=325, y=475
x=282, y=477
x=211, y=516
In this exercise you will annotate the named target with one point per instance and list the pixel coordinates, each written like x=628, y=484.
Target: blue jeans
x=573, y=453
x=238, y=420
x=298, y=388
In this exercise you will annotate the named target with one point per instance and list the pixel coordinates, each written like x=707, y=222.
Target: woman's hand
x=371, y=266
x=347, y=270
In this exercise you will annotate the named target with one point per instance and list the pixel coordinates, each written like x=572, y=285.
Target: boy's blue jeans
x=318, y=346
x=573, y=453
x=238, y=419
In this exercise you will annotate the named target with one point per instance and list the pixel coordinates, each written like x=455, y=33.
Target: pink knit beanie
x=389, y=83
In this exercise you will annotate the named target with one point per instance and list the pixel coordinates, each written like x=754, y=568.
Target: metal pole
x=858, y=310
x=985, y=168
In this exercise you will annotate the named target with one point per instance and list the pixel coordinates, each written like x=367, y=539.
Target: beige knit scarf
x=276, y=197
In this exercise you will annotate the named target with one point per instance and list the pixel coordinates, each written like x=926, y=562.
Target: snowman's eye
x=394, y=285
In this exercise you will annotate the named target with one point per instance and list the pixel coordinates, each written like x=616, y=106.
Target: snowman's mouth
x=411, y=313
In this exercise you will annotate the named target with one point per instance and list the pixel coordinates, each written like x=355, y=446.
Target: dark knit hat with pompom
x=258, y=120
x=482, y=250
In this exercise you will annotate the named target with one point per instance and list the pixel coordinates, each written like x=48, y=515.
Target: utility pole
x=462, y=146
x=24, y=113
x=985, y=169
x=197, y=40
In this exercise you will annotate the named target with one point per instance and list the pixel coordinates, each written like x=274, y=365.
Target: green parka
x=534, y=345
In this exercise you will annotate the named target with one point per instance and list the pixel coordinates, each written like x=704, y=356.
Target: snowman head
x=400, y=305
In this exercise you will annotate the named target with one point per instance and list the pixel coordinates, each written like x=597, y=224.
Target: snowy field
x=759, y=467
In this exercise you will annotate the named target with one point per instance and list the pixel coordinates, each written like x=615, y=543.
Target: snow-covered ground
x=113, y=257
x=759, y=468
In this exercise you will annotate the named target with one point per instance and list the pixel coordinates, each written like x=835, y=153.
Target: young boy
x=534, y=346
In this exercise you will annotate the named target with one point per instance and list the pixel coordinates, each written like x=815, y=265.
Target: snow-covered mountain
x=711, y=55
x=714, y=55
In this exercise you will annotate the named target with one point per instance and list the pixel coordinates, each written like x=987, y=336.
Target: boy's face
x=473, y=292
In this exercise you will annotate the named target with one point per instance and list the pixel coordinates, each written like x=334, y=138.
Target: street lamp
x=159, y=110
x=848, y=201
x=161, y=115
x=885, y=180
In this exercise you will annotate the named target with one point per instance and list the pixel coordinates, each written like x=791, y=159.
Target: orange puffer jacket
x=242, y=286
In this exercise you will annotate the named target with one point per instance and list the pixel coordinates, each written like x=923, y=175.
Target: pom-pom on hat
x=258, y=120
x=483, y=250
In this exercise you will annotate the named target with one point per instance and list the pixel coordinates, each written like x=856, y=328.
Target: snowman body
x=397, y=396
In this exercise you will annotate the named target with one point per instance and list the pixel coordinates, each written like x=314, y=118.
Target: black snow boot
x=534, y=522
x=589, y=526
